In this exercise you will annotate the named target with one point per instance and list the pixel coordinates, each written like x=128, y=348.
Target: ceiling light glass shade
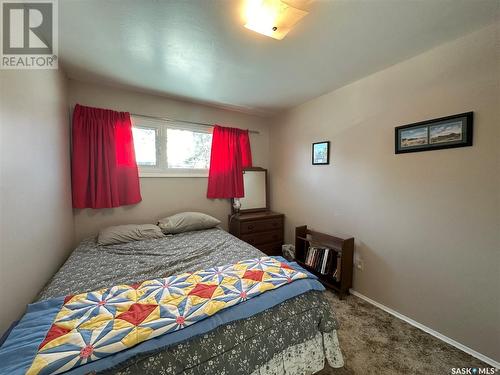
x=274, y=18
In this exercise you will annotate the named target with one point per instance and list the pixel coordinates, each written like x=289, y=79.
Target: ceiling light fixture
x=274, y=18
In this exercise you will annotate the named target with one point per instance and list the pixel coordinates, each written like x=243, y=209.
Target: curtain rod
x=183, y=121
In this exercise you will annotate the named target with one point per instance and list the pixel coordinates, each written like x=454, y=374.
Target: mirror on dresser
x=254, y=223
x=255, y=183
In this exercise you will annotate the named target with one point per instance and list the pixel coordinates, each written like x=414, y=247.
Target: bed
x=294, y=337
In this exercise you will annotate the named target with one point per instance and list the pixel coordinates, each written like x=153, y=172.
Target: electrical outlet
x=360, y=264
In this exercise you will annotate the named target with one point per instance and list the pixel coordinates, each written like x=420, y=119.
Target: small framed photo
x=445, y=132
x=321, y=153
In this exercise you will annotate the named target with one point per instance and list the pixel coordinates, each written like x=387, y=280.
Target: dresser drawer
x=263, y=237
x=271, y=248
x=261, y=225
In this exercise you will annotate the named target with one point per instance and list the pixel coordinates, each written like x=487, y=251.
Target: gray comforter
x=236, y=348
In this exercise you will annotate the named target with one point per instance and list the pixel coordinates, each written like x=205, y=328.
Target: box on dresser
x=263, y=229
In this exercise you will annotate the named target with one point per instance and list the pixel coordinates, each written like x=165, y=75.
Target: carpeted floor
x=375, y=342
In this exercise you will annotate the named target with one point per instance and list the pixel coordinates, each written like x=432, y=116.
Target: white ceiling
x=200, y=51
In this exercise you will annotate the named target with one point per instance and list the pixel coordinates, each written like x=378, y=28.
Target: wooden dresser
x=263, y=229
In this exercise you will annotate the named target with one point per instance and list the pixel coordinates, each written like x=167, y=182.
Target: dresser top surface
x=257, y=215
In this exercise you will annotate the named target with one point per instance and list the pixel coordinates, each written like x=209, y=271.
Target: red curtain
x=104, y=170
x=230, y=154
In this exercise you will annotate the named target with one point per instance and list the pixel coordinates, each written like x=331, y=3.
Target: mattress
x=239, y=347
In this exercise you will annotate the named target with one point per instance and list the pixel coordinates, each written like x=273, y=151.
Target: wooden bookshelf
x=344, y=248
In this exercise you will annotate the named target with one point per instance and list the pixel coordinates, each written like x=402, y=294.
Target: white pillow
x=128, y=233
x=187, y=221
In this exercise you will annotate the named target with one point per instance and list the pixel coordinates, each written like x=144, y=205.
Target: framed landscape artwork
x=321, y=153
x=445, y=132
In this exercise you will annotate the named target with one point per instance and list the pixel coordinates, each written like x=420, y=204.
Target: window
x=145, y=145
x=165, y=149
x=188, y=149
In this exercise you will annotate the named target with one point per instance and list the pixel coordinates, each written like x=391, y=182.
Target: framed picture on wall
x=444, y=132
x=321, y=153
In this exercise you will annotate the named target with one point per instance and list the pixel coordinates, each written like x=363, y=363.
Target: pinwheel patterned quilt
x=90, y=326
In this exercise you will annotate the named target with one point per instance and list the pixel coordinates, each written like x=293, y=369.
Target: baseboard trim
x=428, y=330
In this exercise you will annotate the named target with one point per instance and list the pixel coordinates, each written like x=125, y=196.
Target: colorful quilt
x=93, y=325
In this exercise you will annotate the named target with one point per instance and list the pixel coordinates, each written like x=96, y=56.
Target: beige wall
x=163, y=196
x=36, y=222
x=426, y=224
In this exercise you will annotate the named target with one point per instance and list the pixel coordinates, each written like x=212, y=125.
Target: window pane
x=188, y=149
x=145, y=145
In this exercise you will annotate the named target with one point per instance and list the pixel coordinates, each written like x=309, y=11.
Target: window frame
x=161, y=169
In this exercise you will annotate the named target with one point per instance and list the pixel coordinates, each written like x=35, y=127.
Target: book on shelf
x=338, y=270
x=324, y=261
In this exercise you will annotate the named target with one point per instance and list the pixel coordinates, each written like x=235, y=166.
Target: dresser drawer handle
x=250, y=227
x=275, y=224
